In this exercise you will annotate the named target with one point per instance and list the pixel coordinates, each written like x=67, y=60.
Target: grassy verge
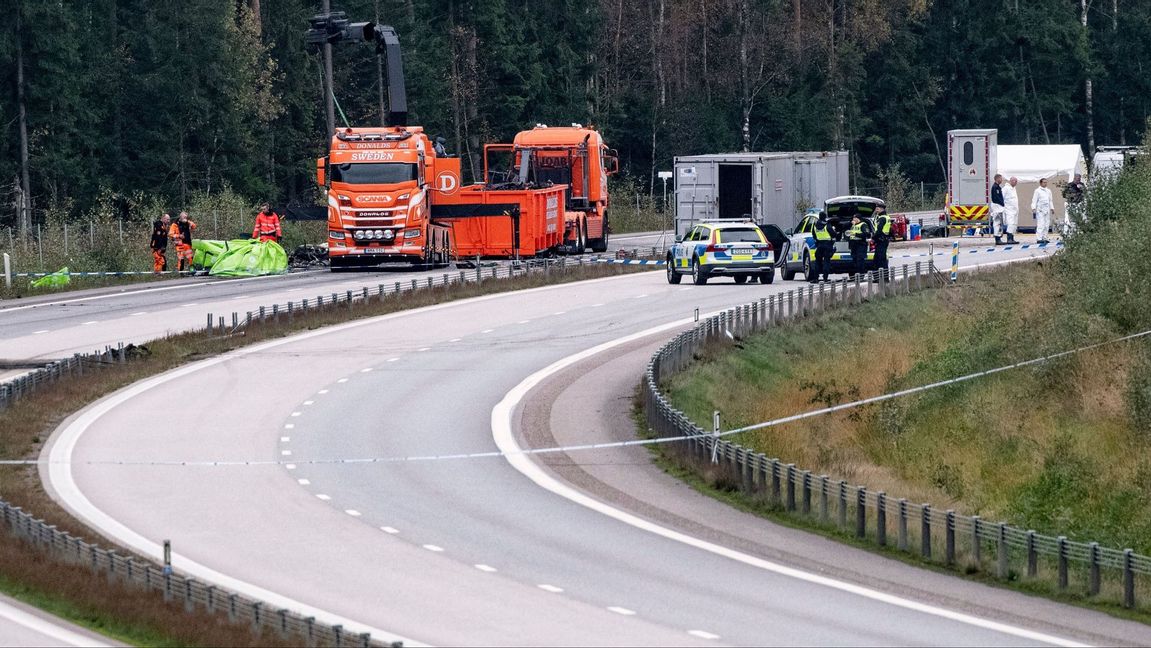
x=26, y=425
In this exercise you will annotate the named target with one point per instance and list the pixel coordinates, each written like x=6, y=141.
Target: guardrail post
x=925, y=531
x=791, y=304
x=257, y=607
x=1061, y=546
x=842, y=504
x=806, y=499
x=810, y=300
x=1001, y=567
x=860, y=512
x=233, y=604
x=282, y=613
x=1093, y=572
x=858, y=291
x=748, y=471
x=775, y=496
x=790, y=487
x=918, y=275
x=949, y=538
x=338, y=630
x=189, y=600
x=7, y=271
x=824, y=513
x=1032, y=555
x=881, y=519
x=976, y=541
x=209, y=327
x=1128, y=579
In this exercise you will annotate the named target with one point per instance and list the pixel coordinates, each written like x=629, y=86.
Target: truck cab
x=380, y=183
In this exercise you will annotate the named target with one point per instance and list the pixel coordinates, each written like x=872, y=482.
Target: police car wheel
x=807, y=268
x=673, y=277
x=767, y=277
x=739, y=279
x=698, y=274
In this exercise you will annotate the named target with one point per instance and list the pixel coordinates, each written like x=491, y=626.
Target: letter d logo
x=447, y=182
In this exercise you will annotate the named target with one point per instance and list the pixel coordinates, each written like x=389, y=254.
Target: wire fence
x=942, y=537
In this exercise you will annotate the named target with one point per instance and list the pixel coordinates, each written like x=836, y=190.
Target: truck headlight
x=412, y=233
x=389, y=235
x=333, y=234
x=359, y=234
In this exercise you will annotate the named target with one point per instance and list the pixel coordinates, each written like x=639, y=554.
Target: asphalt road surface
x=474, y=550
x=24, y=625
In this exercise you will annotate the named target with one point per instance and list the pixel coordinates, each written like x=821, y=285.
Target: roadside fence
x=941, y=537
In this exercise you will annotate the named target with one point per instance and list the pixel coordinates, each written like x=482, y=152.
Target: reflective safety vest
x=822, y=232
x=884, y=224
x=856, y=232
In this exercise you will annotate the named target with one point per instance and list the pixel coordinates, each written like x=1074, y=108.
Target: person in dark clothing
x=857, y=238
x=159, y=243
x=882, y=238
x=824, y=248
x=998, y=206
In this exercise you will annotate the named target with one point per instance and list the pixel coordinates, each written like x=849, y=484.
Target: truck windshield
x=370, y=173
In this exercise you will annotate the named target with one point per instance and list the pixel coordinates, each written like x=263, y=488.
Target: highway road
x=475, y=550
x=24, y=625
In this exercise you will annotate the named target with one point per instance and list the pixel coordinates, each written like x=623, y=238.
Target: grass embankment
x=126, y=613
x=1062, y=448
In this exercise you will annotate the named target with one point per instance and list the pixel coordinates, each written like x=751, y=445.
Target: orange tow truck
x=381, y=183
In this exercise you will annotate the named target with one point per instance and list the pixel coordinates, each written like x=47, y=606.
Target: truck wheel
x=578, y=246
x=698, y=274
x=673, y=277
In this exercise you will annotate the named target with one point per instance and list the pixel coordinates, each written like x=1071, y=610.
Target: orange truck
x=381, y=184
x=575, y=156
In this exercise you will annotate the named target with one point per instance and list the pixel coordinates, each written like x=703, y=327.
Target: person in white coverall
x=1011, y=209
x=1043, y=206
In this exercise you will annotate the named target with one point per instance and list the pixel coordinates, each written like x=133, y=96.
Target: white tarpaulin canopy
x=1030, y=162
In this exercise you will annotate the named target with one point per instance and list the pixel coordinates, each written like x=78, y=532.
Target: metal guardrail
x=937, y=536
x=151, y=574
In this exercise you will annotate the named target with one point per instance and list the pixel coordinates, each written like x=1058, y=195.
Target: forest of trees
x=121, y=99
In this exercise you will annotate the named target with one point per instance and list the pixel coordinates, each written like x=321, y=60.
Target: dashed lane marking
x=389, y=530
x=703, y=634
x=321, y=496
x=485, y=568
x=550, y=588
x=621, y=610
x=434, y=548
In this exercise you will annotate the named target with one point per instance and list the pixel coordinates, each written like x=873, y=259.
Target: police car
x=734, y=248
x=801, y=251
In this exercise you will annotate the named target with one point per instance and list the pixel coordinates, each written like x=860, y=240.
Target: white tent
x=1057, y=162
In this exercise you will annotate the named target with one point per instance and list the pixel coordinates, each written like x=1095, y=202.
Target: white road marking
x=597, y=305
x=289, y=426
x=303, y=482
x=285, y=439
x=323, y=497
x=39, y=332
x=501, y=422
x=366, y=370
x=424, y=349
x=454, y=340
x=487, y=330
x=46, y=627
x=550, y=588
x=560, y=313
x=621, y=610
x=388, y=529
x=342, y=380
x=434, y=548
x=290, y=466
x=352, y=512
x=140, y=313
x=523, y=321
x=703, y=634
x=286, y=453
x=92, y=322
x=187, y=305
x=242, y=297
x=640, y=296
x=322, y=391
x=392, y=359
x=485, y=568
x=309, y=402
x=296, y=413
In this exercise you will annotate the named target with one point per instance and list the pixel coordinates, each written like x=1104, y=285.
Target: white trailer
x=971, y=164
x=771, y=188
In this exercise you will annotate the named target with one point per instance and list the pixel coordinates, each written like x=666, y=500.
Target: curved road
x=471, y=551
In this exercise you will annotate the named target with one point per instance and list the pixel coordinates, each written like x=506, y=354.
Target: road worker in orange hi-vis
x=159, y=243
x=180, y=233
x=267, y=225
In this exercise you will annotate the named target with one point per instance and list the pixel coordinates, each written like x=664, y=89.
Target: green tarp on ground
x=61, y=277
x=250, y=259
x=206, y=252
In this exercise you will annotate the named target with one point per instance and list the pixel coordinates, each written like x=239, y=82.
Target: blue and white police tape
x=592, y=446
x=985, y=250
x=119, y=273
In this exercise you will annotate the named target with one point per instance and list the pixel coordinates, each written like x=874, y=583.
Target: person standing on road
x=1010, y=209
x=1042, y=205
x=882, y=238
x=998, y=206
x=159, y=243
x=181, y=234
x=267, y=226
x=857, y=238
x=824, y=248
